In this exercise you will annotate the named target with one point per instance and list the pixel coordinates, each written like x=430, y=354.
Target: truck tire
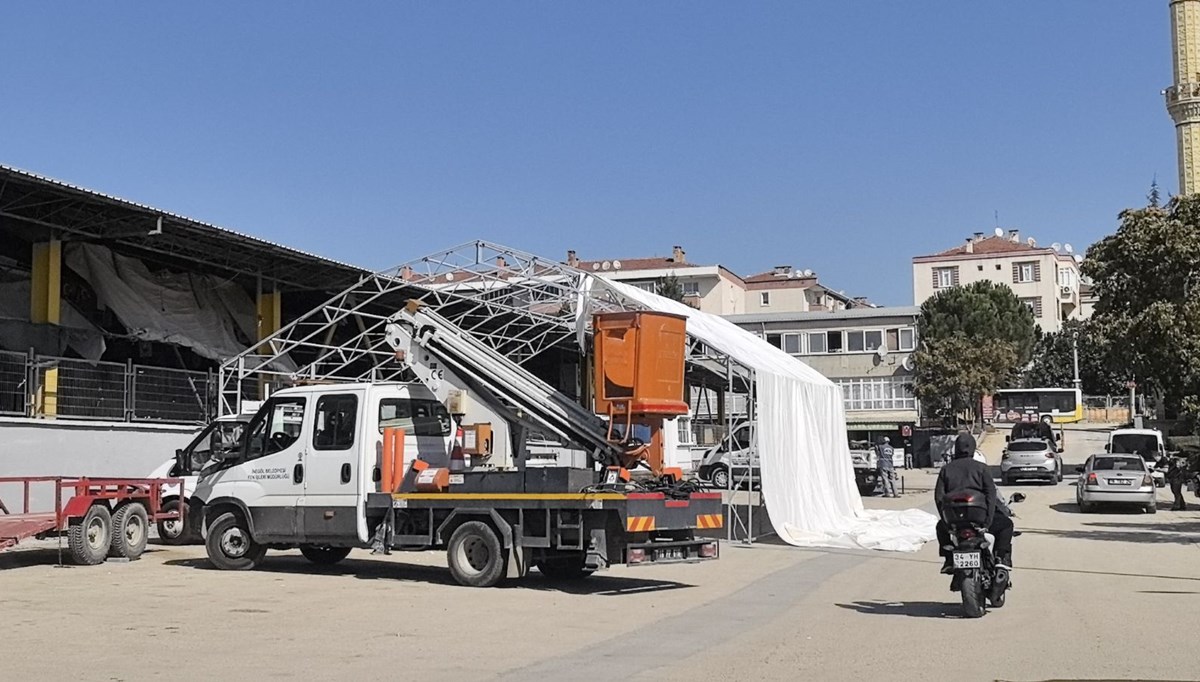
x=88, y=538
x=325, y=556
x=569, y=567
x=475, y=555
x=175, y=532
x=130, y=531
x=230, y=546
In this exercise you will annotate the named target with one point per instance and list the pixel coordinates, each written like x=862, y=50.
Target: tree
x=1147, y=277
x=1054, y=362
x=974, y=339
x=669, y=287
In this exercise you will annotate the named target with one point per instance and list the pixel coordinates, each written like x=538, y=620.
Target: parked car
x=1115, y=479
x=866, y=466
x=1031, y=458
x=1148, y=443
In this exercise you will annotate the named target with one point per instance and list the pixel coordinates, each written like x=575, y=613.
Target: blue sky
x=845, y=137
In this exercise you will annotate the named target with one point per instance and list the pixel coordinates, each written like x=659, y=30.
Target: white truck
x=313, y=472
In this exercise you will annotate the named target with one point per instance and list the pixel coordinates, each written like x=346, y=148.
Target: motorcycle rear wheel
x=973, y=599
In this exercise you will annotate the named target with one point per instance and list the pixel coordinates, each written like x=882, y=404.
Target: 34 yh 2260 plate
x=967, y=560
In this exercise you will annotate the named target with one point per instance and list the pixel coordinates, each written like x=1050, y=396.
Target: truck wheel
x=130, y=531
x=88, y=538
x=720, y=477
x=564, y=568
x=175, y=531
x=864, y=489
x=229, y=545
x=326, y=556
x=475, y=555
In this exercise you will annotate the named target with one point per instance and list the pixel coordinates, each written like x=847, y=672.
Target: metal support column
x=45, y=307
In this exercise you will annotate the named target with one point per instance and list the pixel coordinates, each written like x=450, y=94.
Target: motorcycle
x=976, y=576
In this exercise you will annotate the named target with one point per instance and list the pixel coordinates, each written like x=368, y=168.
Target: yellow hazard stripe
x=710, y=520
x=639, y=524
x=508, y=496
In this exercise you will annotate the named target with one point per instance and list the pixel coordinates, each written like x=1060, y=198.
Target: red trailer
x=100, y=517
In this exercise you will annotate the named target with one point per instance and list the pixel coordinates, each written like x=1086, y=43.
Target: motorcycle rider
x=964, y=472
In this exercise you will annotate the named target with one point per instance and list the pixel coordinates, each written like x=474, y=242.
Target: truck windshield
x=418, y=417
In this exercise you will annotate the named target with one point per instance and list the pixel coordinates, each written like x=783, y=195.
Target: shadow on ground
x=365, y=569
x=31, y=558
x=912, y=609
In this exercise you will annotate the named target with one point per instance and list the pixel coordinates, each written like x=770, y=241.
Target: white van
x=732, y=456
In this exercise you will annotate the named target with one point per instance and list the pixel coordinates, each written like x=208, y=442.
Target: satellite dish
x=449, y=276
x=1031, y=241
x=595, y=266
x=616, y=265
x=1079, y=258
x=999, y=232
x=881, y=352
x=1056, y=246
x=1068, y=248
x=605, y=265
x=908, y=363
x=808, y=273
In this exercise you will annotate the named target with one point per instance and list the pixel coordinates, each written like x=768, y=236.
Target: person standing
x=1176, y=478
x=887, y=468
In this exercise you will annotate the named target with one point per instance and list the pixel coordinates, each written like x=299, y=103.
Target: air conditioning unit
x=1065, y=291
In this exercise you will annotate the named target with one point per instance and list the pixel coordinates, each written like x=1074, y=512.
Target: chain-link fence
x=14, y=383
x=37, y=385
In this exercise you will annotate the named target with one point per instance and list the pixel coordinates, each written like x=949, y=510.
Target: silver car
x=1031, y=458
x=1115, y=479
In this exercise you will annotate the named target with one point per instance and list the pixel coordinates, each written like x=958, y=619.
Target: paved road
x=1096, y=595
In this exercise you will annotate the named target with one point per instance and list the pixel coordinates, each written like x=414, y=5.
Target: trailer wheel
x=175, y=531
x=229, y=545
x=88, y=537
x=326, y=556
x=475, y=555
x=130, y=531
x=564, y=568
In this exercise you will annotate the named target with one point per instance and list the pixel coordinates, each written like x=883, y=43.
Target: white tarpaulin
x=804, y=453
x=79, y=333
x=197, y=311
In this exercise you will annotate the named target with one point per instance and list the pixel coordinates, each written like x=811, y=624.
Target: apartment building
x=718, y=290
x=865, y=350
x=1046, y=278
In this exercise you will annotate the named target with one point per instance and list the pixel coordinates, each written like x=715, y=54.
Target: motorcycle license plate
x=967, y=560
x=1120, y=481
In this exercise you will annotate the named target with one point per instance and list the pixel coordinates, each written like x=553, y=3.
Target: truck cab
x=311, y=454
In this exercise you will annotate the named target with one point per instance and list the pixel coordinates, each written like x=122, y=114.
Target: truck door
x=332, y=470
x=268, y=477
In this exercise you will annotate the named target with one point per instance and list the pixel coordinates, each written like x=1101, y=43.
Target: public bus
x=1050, y=405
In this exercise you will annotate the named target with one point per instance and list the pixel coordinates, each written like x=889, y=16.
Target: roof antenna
x=996, y=215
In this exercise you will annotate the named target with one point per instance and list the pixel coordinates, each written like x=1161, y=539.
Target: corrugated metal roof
x=851, y=314
x=173, y=217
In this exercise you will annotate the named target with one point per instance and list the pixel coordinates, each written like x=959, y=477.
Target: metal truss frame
x=519, y=304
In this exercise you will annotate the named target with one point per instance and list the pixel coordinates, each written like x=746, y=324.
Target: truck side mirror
x=1007, y=439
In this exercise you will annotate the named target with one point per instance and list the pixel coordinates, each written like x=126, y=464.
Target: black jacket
x=965, y=473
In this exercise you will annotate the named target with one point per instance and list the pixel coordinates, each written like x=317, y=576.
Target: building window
x=691, y=288
x=864, y=341
x=764, y=298
x=684, y=426
x=908, y=339
x=816, y=343
x=1035, y=304
x=1026, y=272
x=944, y=278
x=775, y=340
x=791, y=343
x=833, y=342
x=880, y=393
x=647, y=286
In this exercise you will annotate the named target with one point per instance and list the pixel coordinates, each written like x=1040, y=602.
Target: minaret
x=1183, y=98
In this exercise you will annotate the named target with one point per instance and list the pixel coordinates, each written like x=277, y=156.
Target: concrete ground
x=1096, y=596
